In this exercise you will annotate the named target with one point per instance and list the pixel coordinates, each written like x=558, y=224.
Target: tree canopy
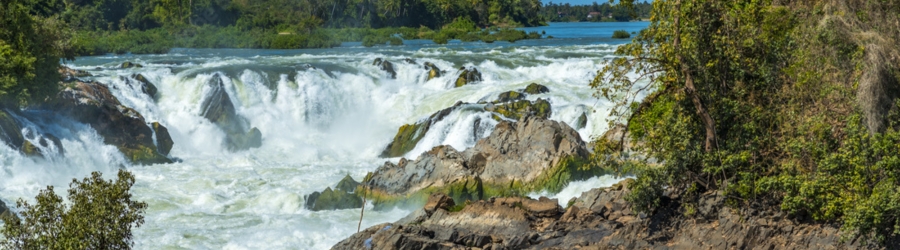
x=786, y=105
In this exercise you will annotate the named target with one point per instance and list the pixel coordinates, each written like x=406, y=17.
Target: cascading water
x=322, y=114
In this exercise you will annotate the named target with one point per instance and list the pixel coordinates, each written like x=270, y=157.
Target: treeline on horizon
x=605, y=12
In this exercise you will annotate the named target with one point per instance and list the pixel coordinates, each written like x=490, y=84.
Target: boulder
x=4, y=211
x=92, y=103
x=467, y=76
x=535, y=89
x=218, y=108
x=532, y=154
x=128, y=65
x=163, y=139
x=10, y=131
x=347, y=184
x=521, y=108
x=386, y=66
x=433, y=71
x=332, y=199
x=141, y=83
x=510, y=96
x=581, y=121
x=409, y=135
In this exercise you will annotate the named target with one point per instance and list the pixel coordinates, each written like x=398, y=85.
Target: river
x=323, y=114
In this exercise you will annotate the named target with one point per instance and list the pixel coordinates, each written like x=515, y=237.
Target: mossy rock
x=10, y=132
x=410, y=134
x=581, y=121
x=517, y=109
x=433, y=71
x=535, y=89
x=347, y=184
x=144, y=155
x=332, y=199
x=510, y=96
x=128, y=65
x=385, y=66
x=163, y=140
x=29, y=149
x=467, y=76
x=147, y=87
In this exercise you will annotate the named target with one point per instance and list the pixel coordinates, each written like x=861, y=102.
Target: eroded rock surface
x=218, y=108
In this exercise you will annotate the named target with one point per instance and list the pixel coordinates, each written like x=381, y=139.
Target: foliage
x=621, y=34
x=605, y=12
x=101, y=216
x=767, y=102
x=30, y=51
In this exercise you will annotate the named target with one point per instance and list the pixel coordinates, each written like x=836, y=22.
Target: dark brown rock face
x=599, y=219
x=218, y=108
x=92, y=103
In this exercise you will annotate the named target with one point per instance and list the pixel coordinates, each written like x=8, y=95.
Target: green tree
x=30, y=51
x=101, y=216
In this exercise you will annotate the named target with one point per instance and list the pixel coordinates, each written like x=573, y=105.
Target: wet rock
x=438, y=201
x=386, y=66
x=521, y=108
x=218, y=108
x=330, y=199
x=433, y=71
x=10, y=132
x=581, y=121
x=348, y=184
x=128, y=65
x=163, y=139
x=4, y=211
x=535, y=89
x=510, y=96
x=467, y=76
x=47, y=139
x=29, y=149
x=92, y=103
x=410, y=134
x=143, y=84
x=532, y=154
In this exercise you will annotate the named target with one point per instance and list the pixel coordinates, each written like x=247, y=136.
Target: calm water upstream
x=318, y=123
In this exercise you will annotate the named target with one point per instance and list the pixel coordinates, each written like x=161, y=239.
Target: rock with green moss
x=332, y=200
x=385, y=66
x=409, y=135
x=4, y=211
x=163, y=139
x=467, y=76
x=433, y=71
x=532, y=154
x=521, y=108
x=92, y=103
x=128, y=65
x=347, y=184
x=535, y=89
x=29, y=149
x=139, y=81
x=218, y=108
x=510, y=96
x=581, y=121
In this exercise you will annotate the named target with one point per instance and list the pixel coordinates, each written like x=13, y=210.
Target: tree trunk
x=708, y=123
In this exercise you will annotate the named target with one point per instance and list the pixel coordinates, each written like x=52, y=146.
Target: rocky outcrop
x=433, y=71
x=581, y=121
x=218, y=108
x=341, y=197
x=68, y=74
x=535, y=89
x=92, y=103
x=163, y=139
x=4, y=211
x=599, y=219
x=141, y=82
x=518, y=157
x=386, y=66
x=10, y=132
x=467, y=76
x=509, y=96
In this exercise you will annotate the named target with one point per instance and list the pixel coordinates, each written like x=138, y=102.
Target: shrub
x=621, y=34
x=101, y=216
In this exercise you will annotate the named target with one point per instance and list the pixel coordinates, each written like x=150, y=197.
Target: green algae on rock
x=535, y=89
x=518, y=109
x=409, y=135
x=433, y=71
x=467, y=76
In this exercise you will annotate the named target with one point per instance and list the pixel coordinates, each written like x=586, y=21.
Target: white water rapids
x=318, y=125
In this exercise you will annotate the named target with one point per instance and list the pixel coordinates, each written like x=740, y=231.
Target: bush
x=395, y=41
x=101, y=216
x=621, y=34
x=440, y=38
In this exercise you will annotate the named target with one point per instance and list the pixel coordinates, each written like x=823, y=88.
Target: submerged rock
x=433, y=71
x=535, y=89
x=92, y=103
x=342, y=197
x=218, y=108
x=467, y=76
x=532, y=154
x=386, y=66
x=128, y=65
